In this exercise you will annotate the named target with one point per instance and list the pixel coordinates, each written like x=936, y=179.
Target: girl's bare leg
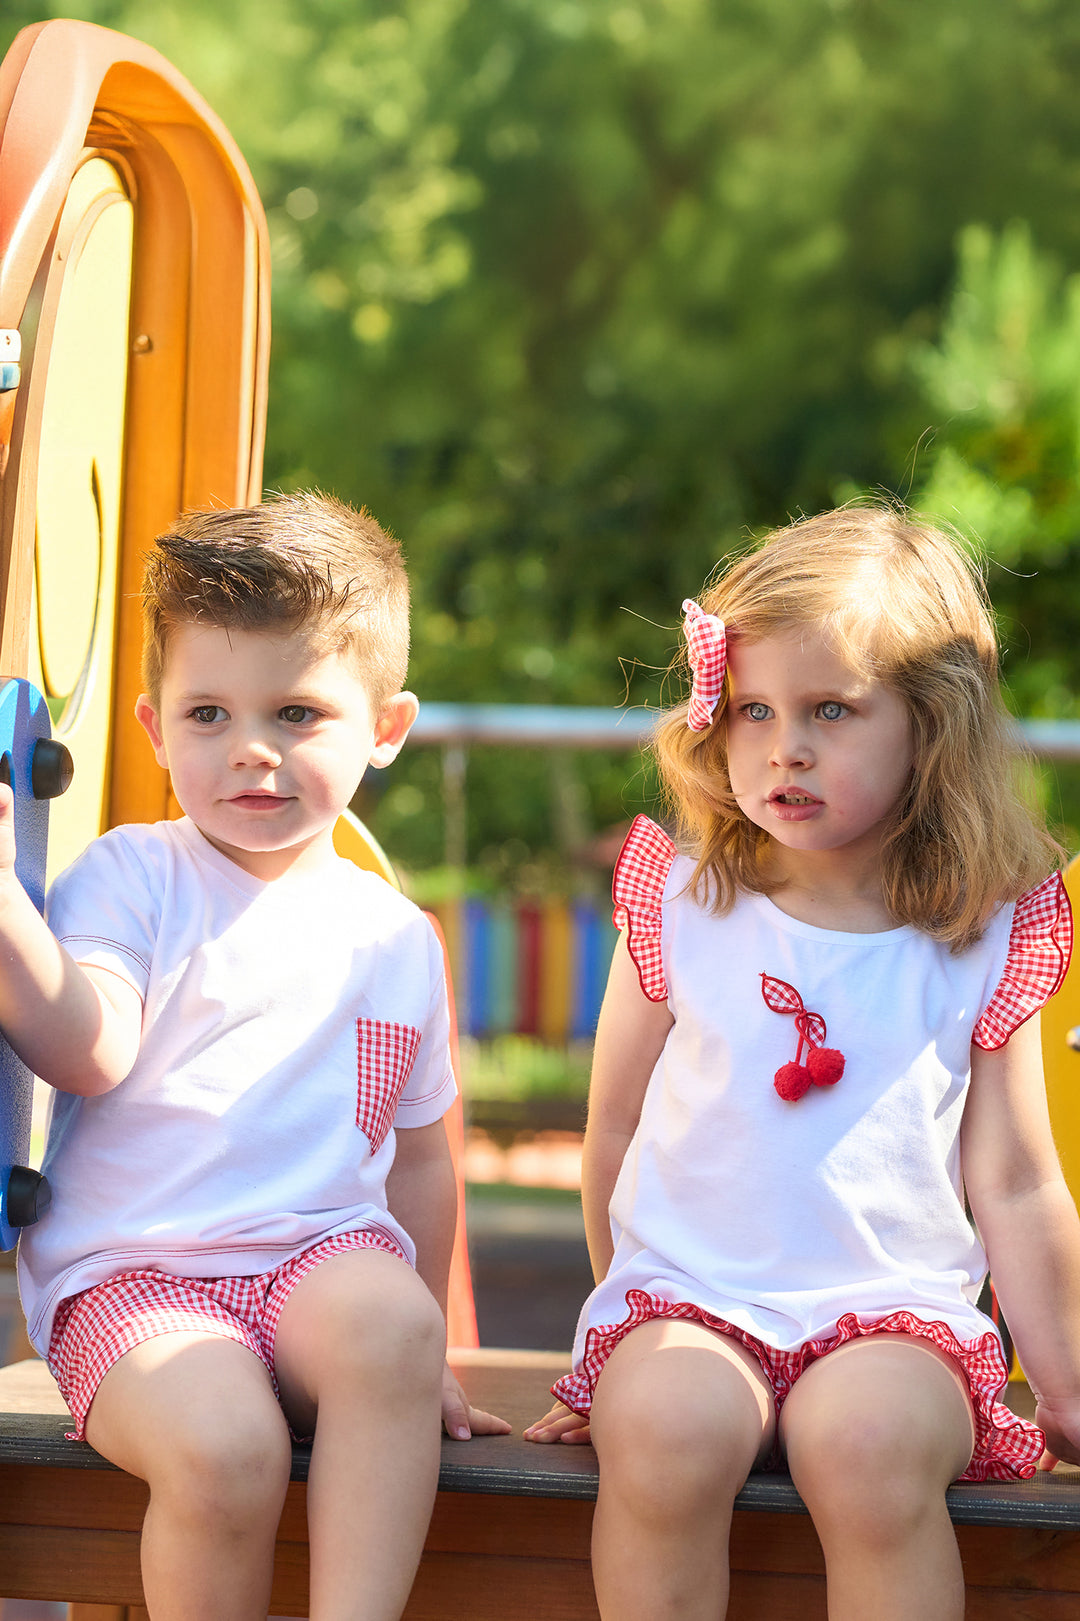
x=680, y=1416
x=873, y=1434
x=195, y=1416
x=359, y=1357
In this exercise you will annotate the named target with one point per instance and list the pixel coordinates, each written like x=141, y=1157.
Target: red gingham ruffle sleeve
x=1040, y=945
x=637, y=889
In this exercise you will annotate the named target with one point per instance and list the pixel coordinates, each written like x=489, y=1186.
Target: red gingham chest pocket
x=385, y=1054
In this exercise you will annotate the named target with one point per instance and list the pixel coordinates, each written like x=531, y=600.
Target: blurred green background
x=575, y=295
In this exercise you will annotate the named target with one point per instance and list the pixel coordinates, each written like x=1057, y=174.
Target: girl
x=814, y=1044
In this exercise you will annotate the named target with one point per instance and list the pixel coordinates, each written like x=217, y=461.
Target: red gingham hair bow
x=706, y=641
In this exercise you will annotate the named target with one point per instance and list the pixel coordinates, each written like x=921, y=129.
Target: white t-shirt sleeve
x=431, y=1087
x=105, y=909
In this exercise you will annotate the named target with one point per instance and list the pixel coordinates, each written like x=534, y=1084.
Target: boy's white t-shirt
x=288, y=1028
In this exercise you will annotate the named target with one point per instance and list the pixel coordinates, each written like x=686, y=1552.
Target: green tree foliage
x=576, y=293
x=1003, y=385
x=1003, y=381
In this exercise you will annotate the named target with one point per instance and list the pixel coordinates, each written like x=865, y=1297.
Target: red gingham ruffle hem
x=637, y=889
x=1006, y=1447
x=1040, y=945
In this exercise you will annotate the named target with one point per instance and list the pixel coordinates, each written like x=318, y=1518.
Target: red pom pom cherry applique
x=824, y=1065
x=792, y=1081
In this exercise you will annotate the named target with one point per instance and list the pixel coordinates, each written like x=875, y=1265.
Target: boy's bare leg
x=874, y=1433
x=196, y=1417
x=679, y=1418
x=359, y=1358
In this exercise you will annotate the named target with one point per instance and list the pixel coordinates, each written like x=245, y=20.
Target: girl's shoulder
x=637, y=888
x=1040, y=946
x=644, y=863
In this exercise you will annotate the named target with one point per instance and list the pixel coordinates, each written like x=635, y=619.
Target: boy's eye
x=757, y=711
x=832, y=710
x=208, y=714
x=295, y=714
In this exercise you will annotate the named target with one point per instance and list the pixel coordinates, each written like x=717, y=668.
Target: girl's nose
x=791, y=748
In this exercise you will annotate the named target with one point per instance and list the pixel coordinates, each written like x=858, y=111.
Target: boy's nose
x=254, y=749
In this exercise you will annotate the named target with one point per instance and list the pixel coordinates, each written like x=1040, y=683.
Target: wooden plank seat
x=510, y=1534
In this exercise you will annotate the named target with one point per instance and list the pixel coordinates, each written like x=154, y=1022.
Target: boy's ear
x=147, y=717
x=392, y=727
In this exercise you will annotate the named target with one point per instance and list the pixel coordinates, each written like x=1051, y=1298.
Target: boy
x=236, y=1022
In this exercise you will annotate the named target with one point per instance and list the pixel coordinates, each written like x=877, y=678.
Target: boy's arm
x=421, y=1192
x=1028, y=1223
x=77, y=1028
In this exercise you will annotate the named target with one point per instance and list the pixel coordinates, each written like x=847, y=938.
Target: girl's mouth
x=792, y=805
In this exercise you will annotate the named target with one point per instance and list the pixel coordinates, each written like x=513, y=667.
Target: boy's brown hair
x=304, y=561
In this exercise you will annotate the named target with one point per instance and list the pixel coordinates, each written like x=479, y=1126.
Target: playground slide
x=134, y=347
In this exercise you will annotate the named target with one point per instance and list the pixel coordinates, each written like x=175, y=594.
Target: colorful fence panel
x=534, y=968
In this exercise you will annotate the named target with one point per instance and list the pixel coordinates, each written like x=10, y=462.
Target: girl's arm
x=421, y=1191
x=76, y=1027
x=1029, y=1226
x=630, y=1037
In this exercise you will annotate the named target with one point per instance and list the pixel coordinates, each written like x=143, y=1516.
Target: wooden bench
x=509, y=1538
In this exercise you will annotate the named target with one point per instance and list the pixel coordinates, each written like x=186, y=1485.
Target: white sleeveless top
x=779, y=1217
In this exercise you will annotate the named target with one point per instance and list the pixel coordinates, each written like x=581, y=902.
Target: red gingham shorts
x=94, y=1329
x=1006, y=1447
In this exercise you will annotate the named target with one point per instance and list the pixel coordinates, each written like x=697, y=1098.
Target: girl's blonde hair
x=899, y=601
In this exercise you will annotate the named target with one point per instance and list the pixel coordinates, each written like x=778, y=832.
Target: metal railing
x=456, y=727
x=550, y=726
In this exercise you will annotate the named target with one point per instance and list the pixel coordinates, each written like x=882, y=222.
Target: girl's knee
x=876, y=1481
x=671, y=1454
x=876, y=1431
x=684, y=1392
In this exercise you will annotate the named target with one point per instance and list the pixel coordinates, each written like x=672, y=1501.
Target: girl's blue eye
x=832, y=710
x=758, y=711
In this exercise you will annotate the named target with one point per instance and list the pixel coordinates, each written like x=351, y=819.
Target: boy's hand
x=7, y=831
x=460, y=1420
x=560, y=1424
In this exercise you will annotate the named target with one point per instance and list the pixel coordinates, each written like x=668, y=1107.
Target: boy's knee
x=412, y=1327
x=398, y=1328
x=230, y=1470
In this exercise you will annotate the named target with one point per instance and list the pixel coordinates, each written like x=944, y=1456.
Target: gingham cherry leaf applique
x=824, y=1065
x=811, y=1026
x=780, y=996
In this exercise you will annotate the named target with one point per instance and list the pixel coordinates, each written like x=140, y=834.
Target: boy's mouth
x=258, y=801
